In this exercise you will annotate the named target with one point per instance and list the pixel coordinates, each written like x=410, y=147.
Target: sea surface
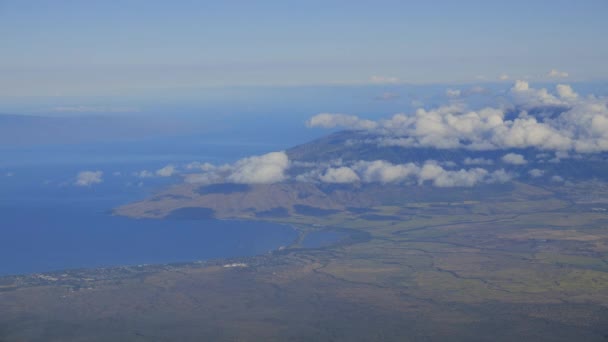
x=48, y=223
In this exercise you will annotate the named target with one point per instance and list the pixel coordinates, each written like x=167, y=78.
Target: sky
x=64, y=48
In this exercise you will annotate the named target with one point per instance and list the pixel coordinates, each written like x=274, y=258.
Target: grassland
x=529, y=263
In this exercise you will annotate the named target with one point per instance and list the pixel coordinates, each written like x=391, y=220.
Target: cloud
x=328, y=120
x=205, y=178
x=166, y=171
x=384, y=172
x=557, y=179
x=144, y=174
x=460, y=93
x=520, y=86
x=514, y=159
x=339, y=175
x=565, y=92
x=503, y=77
x=383, y=79
x=380, y=171
x=267, y=168
x=88, y=178
x=453, y=92
x=554, y=73
x=200, y=166
x=536, y=173
x=263, y=169
x=525, y=96
x=534, y=118
x=9, y=174
x=461, y=178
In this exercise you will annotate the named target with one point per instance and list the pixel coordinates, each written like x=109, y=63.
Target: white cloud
x=9, y=174
x=200, y=166
x=380, y=171
x=453, y=92
x=514, y=159
x=144, y=174
x=536, y=173
x=545, y=122
x=267, y=168
x=527, y=97
x=328, y=120
x=205, y=178
x=554, y=73
x=520, y=86
x=460, y=178
x=503, y=77
x=385, y=172
x=557, y=179
x=166, y=171
x=565, y=92
x=88, y=178
x=339, y=175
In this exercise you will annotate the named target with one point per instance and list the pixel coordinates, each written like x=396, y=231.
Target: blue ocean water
x=322, y=239
x=47, y=223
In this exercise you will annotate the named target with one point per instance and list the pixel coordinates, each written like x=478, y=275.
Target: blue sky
x=109, y=48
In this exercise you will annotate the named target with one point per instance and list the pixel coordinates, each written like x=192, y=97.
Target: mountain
x=352, y=146
x=295, y=196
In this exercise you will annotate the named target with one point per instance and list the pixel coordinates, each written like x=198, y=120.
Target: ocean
x=49, y=223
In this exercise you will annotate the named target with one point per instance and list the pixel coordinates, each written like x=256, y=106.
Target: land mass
x=519, y=260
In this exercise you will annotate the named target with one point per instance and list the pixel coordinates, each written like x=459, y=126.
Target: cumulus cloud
x=380, y=171
x=166, y=171
x=263, y=169
x=554, y=73
x=204, y=178
x=267, y=168
x=143, y=174
x=384, y=172
x=536, y=173
x=328, y=120
x=88, y=178
x=527, y=97
x=339, y=175
x=453, y=92
x=542, y=120
x=520, y=86
x=565, y=92
x=514, y=159
x=460, y=93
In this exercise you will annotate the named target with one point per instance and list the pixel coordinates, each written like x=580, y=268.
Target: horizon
x=140, y=48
